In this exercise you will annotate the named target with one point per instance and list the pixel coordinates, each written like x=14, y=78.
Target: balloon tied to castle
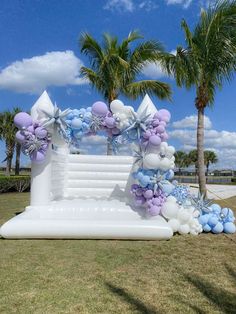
x=110, y=197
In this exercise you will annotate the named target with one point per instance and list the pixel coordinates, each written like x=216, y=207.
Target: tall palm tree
x=193, y=159
x=115, y=66
x=210, y=157
x=181, y=160
x=7, y=133
x=17, y=160
x=207, y=60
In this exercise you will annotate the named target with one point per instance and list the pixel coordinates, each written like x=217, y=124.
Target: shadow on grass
x=136, y=304
x=218, y=296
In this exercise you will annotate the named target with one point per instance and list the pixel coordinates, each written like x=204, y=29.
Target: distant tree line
x=184, y=160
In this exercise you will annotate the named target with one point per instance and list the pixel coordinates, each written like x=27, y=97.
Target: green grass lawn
x=184, y=275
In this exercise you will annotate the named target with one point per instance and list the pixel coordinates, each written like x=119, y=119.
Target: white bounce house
x=82, y=196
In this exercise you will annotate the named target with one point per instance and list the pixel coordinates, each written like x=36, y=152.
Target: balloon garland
x=154, y=191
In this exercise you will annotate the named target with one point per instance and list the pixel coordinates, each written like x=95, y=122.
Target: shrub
x=14, y=183
x=233, y=180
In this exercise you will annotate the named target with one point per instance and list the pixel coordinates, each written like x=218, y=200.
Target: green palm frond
x=140, y=88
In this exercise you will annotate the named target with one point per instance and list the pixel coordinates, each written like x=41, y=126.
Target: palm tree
x=210, y=157
x=181, y=160
x=193, y=159
x=114, y=66
x=207, y=60
x=17, y=160
x=7, y=133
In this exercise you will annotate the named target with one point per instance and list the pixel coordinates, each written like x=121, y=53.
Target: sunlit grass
x=184, y=275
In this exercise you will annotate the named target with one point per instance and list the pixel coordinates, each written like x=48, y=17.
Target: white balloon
x=183, y=215
x=116, y=106
x=170, y=210
x=174, y=224
x=171, y=199
x=184, y=229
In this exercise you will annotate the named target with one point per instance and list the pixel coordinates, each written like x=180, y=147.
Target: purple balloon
x=160, y=128
x=37, y=157
x=164, y=136
x=22, y=120
x=139, y=192
x=154, y=140
x=148, y=194
x=40, y=132
x=156, y=201
x=110, y=122
x=140, y=200
x=147, y=134
x=31, y=129
x=154, y=210
x=20, y=137
x=165, y=115
x=100, y=109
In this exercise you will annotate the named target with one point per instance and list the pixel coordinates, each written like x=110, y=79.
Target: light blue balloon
x=229, y=227
x=167, y=188
x=89, y=109
x=70, y=116
x=82, y=111
x=75, y=112
x=76, y=123
x=218, y=228
x=206, y=228
x=213, y=220
x=170, y=174
x=68, y=122
x=215, y=208
x=203, y=219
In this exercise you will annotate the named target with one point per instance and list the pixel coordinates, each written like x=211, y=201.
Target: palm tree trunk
x=17, y=163
x=200, y=152
x=9, y=156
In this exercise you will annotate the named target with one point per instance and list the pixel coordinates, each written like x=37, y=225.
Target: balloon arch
x=153, y=191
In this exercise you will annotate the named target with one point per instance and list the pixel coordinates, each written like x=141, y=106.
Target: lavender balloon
x=100, y=109
x=22, y=120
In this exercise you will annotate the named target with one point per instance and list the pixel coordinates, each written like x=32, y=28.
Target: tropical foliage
x=206, y=61
x=114, y=66
x=7, y=133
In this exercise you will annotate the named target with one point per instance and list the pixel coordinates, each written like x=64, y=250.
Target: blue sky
x=39, y=49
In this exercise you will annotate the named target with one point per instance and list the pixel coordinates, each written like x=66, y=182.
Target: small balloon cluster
x=217, y=219
x=33, y=137
x=155, y=132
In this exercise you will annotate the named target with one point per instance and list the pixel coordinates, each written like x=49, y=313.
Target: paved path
x=218, y=191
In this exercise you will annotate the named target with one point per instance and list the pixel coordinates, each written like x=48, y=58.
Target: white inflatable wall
x=81, y=196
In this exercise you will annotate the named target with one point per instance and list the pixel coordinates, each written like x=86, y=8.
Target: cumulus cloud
x=184, y=3
x=119, y=5
x=123, y=6
x=222, y=142
x=33, y=75
x=191, y=122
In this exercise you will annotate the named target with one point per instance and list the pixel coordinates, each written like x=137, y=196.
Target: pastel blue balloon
x=203, y=219
x=170, y=174
x=70, y=116
x=216, y=208
x=167, y=188
x=212, y=221
x=229, y=227
x=75, y=112
x=218, y=228
x=82, y=110
x=78, y=134
x=89, y=109
x=76, y=123
x=68, y=121
x=206, y=228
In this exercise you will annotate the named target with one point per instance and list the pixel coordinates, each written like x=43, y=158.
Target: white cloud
x=123, y=6
x=153, y=70
x=119, y=5
x=184, y=3
x=94, y=140
x=222, y=142
x=148, y=5
x=33, y=75
x=191, y=122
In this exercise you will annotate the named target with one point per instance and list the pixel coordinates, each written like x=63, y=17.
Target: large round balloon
x=37, y=157
x=20, y=138
x=100, y=109
x=22, y=120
